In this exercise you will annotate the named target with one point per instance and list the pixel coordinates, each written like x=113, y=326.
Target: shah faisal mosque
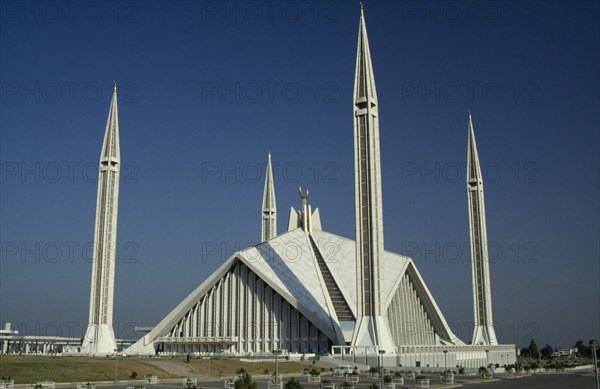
x=348, y=299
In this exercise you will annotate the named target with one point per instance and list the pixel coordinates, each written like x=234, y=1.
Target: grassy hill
x=30, y=369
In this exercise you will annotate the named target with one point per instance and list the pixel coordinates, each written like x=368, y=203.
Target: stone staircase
x=342, y=310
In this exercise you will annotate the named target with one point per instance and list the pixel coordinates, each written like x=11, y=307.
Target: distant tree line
x=547, y=352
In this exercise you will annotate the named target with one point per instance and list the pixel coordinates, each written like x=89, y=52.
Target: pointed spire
x=484, y=332
x=364, y=83
x=99, y=337
x=372, y=328
x=473, y=167
x=111, y=151
x=269, y=206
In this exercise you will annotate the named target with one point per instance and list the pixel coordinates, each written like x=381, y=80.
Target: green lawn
x=30, y=369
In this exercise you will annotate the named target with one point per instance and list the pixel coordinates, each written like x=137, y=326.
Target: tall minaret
x=99, y=337
x=371, y=328
x=269, y=207
x=482, y=299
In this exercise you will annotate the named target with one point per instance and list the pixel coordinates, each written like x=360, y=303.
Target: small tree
x=373, y=386
x=547, y=351
x=533, y=349
x=244, y=382
x=293, y=384
x=518, y=367
x=583, y=350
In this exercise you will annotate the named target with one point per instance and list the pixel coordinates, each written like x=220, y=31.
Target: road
x=544, y=381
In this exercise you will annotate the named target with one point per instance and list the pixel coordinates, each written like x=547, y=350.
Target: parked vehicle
x=342, y=370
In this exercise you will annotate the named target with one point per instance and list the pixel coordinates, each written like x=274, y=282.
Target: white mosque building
x=307, y=290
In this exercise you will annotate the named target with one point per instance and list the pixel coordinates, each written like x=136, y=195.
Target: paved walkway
x=180, y=369
x=542, y=381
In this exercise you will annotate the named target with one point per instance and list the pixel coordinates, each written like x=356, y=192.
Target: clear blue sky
x=207, y=88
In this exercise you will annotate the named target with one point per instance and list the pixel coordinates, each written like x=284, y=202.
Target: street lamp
x=209, y=364
x=487, y=360
x=445, y=366
x=381, y=352
x=276, y=352
x=116, y=365
x=594, y=345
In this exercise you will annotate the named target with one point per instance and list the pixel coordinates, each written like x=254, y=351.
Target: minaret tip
x=114, y=86
x=362, y=10
x=269, y=207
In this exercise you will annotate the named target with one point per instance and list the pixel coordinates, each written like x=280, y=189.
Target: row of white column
x=407, y=318
x=29, y=347
x=243, y=307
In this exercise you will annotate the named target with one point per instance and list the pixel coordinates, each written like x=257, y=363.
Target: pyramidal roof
x=340, y=256
x=287, y=263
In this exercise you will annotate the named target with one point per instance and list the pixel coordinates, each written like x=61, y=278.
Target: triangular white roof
x=287, y=264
